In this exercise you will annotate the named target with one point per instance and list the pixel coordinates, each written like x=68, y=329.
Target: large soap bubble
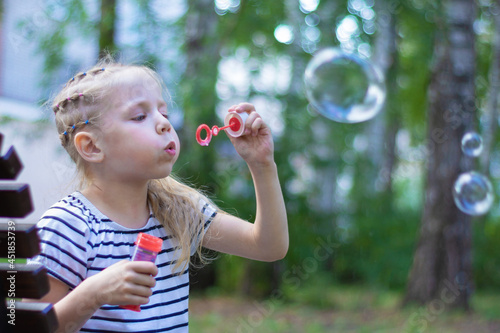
x=473, y=193
x=344, y=87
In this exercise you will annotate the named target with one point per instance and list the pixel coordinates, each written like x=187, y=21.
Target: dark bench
x=19, y=240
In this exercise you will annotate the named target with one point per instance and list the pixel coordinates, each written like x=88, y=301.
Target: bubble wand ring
x=205, y=141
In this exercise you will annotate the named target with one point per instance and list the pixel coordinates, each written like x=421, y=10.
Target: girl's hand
x=256, y=145
x=124, y=283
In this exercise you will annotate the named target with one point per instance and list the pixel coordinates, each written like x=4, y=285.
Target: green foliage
x=230, y=273
x=254, y=18
x=486, y=265
x=381, y=248
x=486, y=303
x=415, y=40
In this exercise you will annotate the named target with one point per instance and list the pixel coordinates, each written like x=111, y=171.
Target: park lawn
x=355, y=309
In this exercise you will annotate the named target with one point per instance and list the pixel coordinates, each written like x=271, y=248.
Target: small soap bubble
x=473, y=193
x=343, y=86
x=472, y=144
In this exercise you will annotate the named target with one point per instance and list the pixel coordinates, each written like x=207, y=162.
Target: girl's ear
x=87, y=147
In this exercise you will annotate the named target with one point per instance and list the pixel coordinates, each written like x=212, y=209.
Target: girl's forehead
x=134, y=84
x=136, y=81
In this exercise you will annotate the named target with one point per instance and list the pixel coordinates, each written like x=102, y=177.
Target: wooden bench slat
x=15, y=200
x=17, y=241
x=27, y=242
x=10, y=165
x=28, y=281
x=33, y=317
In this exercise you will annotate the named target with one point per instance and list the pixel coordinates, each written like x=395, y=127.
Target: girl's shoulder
x=70, y=212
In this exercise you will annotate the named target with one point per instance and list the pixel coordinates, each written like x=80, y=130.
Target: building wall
x=20, y=68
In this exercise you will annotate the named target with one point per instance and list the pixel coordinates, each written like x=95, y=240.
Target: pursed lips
x=170, y=148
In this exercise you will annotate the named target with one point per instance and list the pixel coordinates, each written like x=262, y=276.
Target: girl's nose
x=163, y=124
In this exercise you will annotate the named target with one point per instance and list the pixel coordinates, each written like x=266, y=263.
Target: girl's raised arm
x=267, y=238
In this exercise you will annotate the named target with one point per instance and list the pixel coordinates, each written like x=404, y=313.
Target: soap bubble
x=472, y=144
x=343, y=86
x=473, y=193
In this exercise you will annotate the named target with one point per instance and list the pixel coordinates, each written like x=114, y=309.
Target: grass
x=320, y=307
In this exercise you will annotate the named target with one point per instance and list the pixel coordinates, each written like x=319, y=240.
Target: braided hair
x=76, y=104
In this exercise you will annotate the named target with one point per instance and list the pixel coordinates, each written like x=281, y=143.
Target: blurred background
x=376, y=241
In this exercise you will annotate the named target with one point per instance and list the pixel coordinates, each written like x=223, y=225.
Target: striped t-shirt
x=78, y=241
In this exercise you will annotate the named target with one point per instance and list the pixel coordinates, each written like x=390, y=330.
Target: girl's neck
x=124, y=204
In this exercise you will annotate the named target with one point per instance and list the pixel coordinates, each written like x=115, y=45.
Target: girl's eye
x=139, y=118
x=163, y=111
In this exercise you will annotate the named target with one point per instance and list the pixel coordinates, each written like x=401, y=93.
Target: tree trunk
x=442, y=269
x=107, y=27
x=385, y=57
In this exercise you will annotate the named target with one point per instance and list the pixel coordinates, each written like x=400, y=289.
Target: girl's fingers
x=245, y=107
x=254, y=123
x=144, y=280
x=144, y=267
x=249, y=123
x=135, y=300
x=142, y=291
x=256, y=126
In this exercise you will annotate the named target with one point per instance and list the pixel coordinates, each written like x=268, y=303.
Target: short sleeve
x=63, y=242
x=208, y=212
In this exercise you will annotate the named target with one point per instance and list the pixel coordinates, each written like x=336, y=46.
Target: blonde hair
x=80, y=103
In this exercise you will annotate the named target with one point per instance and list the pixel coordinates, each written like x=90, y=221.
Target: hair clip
x=84, y=73
x=65, y=133
x=86, y=122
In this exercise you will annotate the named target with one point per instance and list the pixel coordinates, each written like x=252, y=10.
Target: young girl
x=113, y=122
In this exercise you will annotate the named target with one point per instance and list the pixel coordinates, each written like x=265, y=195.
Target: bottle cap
x=236, y=123
x=148, y=242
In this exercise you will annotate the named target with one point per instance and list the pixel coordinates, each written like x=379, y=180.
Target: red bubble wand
x=233, y=125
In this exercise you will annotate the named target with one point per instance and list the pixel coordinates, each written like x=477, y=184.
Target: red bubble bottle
x=147, y=248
